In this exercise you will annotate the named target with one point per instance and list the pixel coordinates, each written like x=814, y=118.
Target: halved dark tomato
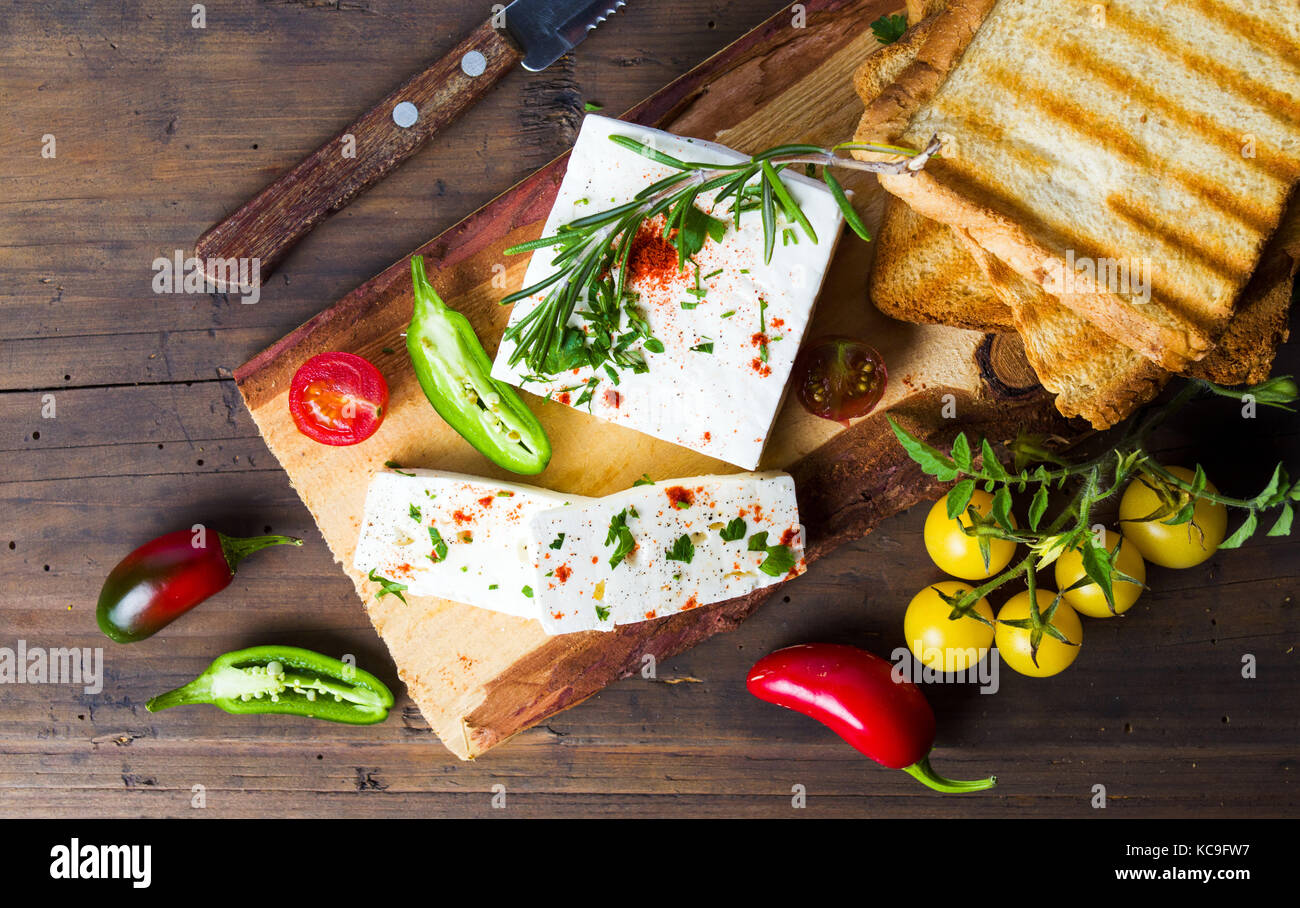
x=338, y=399
x=839, y=378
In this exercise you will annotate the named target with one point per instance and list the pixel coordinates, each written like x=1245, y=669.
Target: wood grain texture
x=1155, y=708
x=266, y=227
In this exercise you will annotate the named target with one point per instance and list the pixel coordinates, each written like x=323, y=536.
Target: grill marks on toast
x=1258, y=31
x=1088, y=123
x=1250, y=90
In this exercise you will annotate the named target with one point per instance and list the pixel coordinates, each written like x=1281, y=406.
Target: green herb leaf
x=683, y=549
x=557, y=542
x=527, y=591
x=1283, y=525
x=645, y=480
x=439, y=545
x=1244, y=532
x=889, y=29
x=386, y=586
x=758, y=542
x=734, y=530
x=851, y=216
x=959, y=496
x=1037, y=507
x=932, y=461
x=620, y=537
x=396, y=467
x=414, y=512
x=780, y=560
x=602, y=613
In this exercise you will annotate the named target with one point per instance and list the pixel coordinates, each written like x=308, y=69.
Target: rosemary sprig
x=592, y=252
x=1095, y=480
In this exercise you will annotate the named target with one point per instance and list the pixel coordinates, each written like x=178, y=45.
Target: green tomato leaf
x=992, y=466
x=1037, y=507
x=931, y=460
x=1283, y=525
x=1001, y=508
x=958, y=497
x=1244, y=532
x=961, y=455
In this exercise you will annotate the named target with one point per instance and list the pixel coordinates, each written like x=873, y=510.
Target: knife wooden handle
x=268, y=226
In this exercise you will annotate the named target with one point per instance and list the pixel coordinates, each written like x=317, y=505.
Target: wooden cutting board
x=480, y=677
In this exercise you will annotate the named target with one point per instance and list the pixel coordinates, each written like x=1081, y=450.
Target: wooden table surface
x=120, y=422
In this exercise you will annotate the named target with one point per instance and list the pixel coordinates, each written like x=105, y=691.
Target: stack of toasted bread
x=1114, y=185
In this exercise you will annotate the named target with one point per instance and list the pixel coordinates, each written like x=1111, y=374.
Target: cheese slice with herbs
x=729, y=325
x=662, y=548
x=452, y=536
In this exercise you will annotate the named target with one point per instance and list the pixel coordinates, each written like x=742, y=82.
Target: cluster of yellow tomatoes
x=954, y=645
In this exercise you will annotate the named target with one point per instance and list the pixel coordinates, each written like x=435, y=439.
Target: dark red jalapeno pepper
x=165, y=578
x=855, y=694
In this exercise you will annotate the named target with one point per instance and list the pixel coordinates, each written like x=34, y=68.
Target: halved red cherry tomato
x=338, y=399
x=839, y=378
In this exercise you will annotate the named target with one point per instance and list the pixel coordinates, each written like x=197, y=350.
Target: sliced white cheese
x=721, y=403
x=570, y=549
x=480, y=522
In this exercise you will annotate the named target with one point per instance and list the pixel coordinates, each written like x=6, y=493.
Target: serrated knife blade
x=546, y=30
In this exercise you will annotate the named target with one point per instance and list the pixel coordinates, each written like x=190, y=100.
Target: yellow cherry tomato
x=1053, y=655
x=1089, y=599
x=1182, y=546
x=942, y=643
x=956, y=553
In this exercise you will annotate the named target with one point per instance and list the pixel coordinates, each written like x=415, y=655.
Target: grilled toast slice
x=925, y=272
x=1126, y=155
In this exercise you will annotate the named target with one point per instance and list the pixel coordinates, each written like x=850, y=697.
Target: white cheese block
x=481, y=522
x=723, y=403
x=570, y=549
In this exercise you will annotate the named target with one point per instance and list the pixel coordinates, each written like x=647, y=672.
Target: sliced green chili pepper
x=455, y=373
x=285, y=679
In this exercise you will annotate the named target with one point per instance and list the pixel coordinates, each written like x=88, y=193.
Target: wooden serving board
x=480, y=677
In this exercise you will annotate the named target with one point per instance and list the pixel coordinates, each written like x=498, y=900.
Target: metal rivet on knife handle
x=405, y=114
x=473, y=63
x=266, y=227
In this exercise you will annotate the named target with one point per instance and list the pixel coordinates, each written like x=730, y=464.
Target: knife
x=533, y=33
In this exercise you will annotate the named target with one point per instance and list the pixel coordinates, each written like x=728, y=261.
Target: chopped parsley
x=683, y=549
x=703, y=347
x=602, y=612
x=439, y=545
x=654, y=345
x=620, y=537
x=386, y=586
x=505, y=493
x=465, y=536
x=779, y=561
x=889, y=29
x=415, y=513
x=728, y=314
x=494, y=586
x=645, y=480
x=527, y=591
x=780, y=558
x=396, y=467
x=557, y=542
x=733, y=530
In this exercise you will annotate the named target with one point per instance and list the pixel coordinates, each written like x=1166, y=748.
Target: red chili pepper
x=165, y=578
x=856, y=695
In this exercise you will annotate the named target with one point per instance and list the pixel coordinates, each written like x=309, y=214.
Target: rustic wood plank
x=1141, y=710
